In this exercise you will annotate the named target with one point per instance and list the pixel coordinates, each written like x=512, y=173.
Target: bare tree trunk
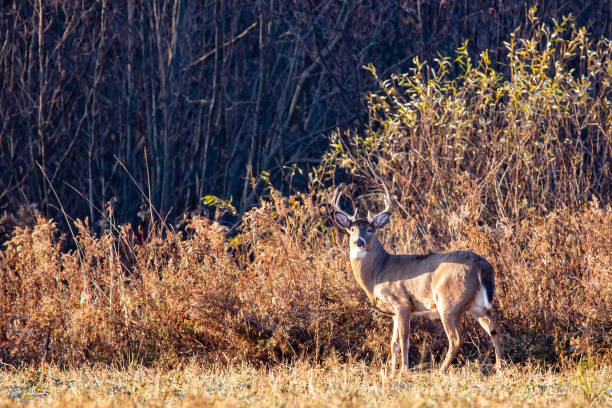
x=215, y=90
x=41, y=92
x=256, y=117
x=94, y=112
x=129, y=104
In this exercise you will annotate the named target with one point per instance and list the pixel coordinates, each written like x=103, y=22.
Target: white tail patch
x=482, y=301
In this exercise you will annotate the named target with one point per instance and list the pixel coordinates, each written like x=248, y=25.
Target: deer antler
x=336, y=201
x=387, y=199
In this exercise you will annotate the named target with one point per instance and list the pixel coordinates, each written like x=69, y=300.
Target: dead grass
x=282, y=290
x=304, y=385
x=529, y=189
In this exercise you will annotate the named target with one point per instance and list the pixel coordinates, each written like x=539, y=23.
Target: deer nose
x=360, y=242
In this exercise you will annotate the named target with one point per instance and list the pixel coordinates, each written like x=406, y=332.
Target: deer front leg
x=404, y=335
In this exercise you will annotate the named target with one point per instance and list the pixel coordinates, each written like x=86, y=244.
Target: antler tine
x=387, y=198
x=336, y=201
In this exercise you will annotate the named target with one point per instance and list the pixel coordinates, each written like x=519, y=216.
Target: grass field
x=208, y=312
x=303, y=384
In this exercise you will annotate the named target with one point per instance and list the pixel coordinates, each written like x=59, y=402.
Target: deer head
x=360, y=230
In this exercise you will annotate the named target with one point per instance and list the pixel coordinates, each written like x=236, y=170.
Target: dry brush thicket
x=517, y=170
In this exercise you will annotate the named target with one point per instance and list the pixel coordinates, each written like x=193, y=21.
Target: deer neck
x=368, y=265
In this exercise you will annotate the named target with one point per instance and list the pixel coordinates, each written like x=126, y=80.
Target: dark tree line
x=122, y=101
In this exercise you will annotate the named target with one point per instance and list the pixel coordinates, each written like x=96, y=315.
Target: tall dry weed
x=517, y=170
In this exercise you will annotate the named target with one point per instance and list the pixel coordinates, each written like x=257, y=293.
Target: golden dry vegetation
x=303, y=384
x=267, y=312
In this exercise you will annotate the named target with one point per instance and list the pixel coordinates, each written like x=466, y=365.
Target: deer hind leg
x=492, y=329
x=450, y=322
x=395, y=346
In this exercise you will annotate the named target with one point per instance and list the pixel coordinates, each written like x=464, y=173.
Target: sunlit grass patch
x=301, y=384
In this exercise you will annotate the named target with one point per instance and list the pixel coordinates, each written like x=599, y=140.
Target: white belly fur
x=428, y=310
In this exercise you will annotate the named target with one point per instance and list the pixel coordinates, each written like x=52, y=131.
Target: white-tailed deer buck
x=440, y=286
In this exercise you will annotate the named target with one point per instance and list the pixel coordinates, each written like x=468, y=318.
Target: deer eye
x=369, y=230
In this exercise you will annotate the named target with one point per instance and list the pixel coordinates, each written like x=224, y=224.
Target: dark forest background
x=118, y=101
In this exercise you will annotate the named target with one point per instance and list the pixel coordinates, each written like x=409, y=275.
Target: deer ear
x=380, y=220
x=342, y=220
